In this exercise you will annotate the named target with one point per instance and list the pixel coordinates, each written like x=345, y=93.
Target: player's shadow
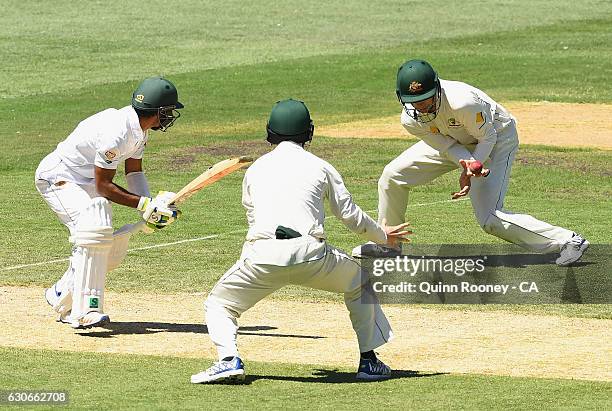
x=141, y=327
x=335, y=376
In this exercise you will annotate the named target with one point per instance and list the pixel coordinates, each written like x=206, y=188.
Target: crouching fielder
x=283, y=194
x=76, y=181
x=459, y=125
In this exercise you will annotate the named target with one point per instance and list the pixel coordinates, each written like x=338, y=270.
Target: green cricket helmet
x=158, y=95
x=418, y=81
x=290, y=121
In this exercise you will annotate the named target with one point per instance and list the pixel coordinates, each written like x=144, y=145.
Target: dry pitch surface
x=457, y=341
x=551, y=124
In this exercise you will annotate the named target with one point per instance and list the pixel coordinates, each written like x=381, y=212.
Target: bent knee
x=214, y=304
x=489, y=222
x=386, y=176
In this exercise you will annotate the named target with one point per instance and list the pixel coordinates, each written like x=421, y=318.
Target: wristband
x=143, y=203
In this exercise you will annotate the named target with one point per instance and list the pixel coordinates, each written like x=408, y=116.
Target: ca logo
x=139, y=98
x=415, y=87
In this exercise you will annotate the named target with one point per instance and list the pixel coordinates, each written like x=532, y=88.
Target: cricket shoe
x=89, y=320
x=64, y=318
x=374, y=250
x=573, y=250
x=221, y=371
x=373, y=370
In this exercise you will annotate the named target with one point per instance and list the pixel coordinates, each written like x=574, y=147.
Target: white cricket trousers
x=66, y=199
x=421, y=164
x=252, y=278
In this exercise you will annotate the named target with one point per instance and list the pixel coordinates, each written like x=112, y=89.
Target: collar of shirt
x=289, y=145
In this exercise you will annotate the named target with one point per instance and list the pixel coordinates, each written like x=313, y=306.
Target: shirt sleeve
x=344, y=208
x=139, y=153
x=478, y=121
x=110, y=149
x=444, y=144
x=107, y=158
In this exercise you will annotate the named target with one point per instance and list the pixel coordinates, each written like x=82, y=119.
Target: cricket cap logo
x=415, y=87
x=139, y=98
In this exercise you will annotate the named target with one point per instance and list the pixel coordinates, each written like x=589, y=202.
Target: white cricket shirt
x=105, y=140
x=287, y=187
x=467, y=117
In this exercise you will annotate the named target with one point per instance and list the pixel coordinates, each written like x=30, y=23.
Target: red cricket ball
x=476, y=167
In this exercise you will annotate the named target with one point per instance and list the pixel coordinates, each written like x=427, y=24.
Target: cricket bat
x=214, y=173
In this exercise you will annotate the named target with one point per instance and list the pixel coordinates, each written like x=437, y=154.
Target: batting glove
x=157, y=212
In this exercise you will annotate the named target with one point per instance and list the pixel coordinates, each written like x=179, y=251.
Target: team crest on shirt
x=415, y=87
x=109, y=156
x=139, y=98
x=452, y=122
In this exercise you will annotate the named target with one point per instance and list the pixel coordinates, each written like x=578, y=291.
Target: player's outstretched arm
x=342, y=206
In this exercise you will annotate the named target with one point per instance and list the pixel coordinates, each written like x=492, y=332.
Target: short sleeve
x=111, y=148
x=107, y=158
x=139, y=153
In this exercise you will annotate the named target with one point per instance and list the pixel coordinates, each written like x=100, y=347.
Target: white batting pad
x=65, y=285
x=121, y=239
x=93, y=239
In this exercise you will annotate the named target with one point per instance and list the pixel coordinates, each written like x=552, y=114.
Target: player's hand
x=464, y=185
x=467, y=167
x=396, y=234
x=157, y=212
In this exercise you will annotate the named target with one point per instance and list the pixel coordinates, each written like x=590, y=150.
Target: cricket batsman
x=76, y=181
x=283, y=193
x=462, y=127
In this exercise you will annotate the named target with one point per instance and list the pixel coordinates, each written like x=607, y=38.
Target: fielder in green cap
x=462, y=127
x=283, y=193
x=76, y=181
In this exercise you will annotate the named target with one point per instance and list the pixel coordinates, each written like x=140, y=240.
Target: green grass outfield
x=104, y=381
x=69, y=45
x=67, y=60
